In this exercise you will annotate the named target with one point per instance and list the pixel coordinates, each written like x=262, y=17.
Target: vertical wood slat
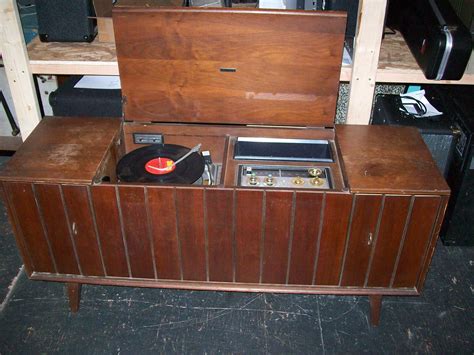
x=52, y=210
x=83, y=233
x=305, y=236
x=432, y=244
x=333, y=237
x=248, y=227
x=21, y=201
x=108, y=227
x=392, y=225
x=220, y=205
x=132, y=205
x=277, y=235
x=423, y=216
x=364, y=222
x=161, y=203
x=190, y=218
x=19, y=238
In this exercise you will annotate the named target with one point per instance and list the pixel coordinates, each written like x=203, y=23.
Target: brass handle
x=370, y=239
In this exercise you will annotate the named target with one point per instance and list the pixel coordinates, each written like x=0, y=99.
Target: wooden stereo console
x=216, y=77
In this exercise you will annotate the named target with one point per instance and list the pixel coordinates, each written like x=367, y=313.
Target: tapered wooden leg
x=375, y=306
x=74, y=295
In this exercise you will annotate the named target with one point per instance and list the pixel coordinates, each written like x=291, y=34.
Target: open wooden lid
x=232, y=66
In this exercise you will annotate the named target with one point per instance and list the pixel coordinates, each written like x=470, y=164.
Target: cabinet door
x=360, y=239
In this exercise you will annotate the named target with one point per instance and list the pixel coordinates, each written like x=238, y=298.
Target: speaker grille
x=66, y=20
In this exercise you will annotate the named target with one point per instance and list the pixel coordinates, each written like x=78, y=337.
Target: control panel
x=301, y=177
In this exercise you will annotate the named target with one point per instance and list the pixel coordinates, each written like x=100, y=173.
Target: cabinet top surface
x=63, y=149
x=236, y=66
x=388, y=159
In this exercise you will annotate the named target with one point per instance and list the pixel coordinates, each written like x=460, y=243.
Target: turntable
x=227, y=171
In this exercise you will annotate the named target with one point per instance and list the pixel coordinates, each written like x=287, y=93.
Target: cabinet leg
x=74, y=295
x=375, y=306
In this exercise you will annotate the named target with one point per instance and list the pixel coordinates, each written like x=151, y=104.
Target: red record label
x=160, y=166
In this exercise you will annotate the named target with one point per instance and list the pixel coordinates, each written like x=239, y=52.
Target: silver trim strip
x=447, y=52
x=281, y=140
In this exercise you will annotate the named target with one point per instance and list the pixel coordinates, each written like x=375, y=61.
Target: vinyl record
x=153, y=163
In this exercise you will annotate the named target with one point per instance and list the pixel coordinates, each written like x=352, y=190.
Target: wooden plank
x=33, y=241
x=190, y=216
x=220, y=228
x=19, y=76
x=136, y=233
x=162, y=210
x=423, y=217
x=362, y=235
x=96, y=58
x=365, y=60
x=108, y=227
x=52, y=210
x=83, y=232
x=8, y=143
x=248, y=234
x=333, y=238
x=392, y=226
x=278, y=219
x=305, y=237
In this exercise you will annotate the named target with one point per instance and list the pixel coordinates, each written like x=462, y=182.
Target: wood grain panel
x=305, y=236
x=108, y=226
x=190, y=215
x=55, y=222
x=432, y=246
x=135, y=226
x=248, y=234
x=219, y=216
x=285, y=66
x=388, y=159
x=278, y=219
x=392, y=225
x=361, y=239
x=63, y=150
x=162, y=211
x=83, y=232
x=420, y=229
x=333, y=238
x=25, y=215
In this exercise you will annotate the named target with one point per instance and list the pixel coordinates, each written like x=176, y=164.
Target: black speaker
x=66, y=20
x=70, y=101
x=458, y=225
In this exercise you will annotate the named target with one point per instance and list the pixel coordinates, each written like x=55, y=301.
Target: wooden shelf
x=396, y=63
x=10, y=143
x=96, y=58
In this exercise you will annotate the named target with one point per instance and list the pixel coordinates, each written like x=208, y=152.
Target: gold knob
x=253, y=179
x=269, y=180
x=297, y=181
x=315, y=172
x=316, y=181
